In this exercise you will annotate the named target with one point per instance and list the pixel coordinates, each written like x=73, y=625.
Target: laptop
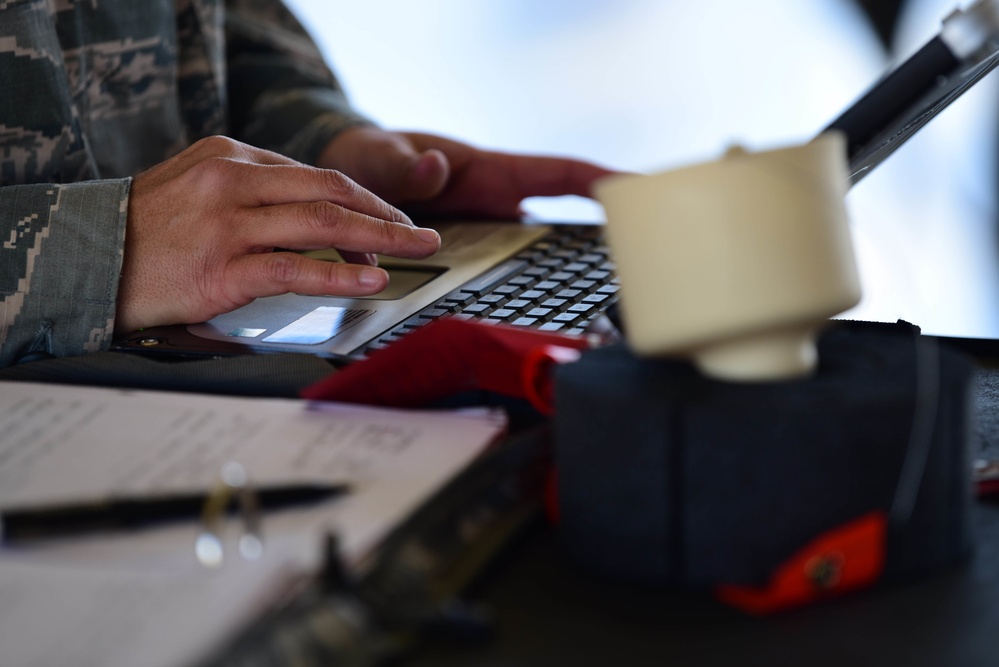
x=556, y=277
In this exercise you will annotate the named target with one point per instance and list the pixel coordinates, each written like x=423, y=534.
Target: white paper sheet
x=68, y=442
x=60, y=442
x=53, y=615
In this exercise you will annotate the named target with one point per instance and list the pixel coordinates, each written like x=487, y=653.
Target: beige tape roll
x=736, y=263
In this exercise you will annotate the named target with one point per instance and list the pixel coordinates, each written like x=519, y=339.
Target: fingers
x=389, y=164
x=299, y=207
x=424, y=178
x=552, y=176
x=321, y=224
x=269, y=274
x=265, y=185
x=492, y=184
x=530, y=175
x=260, y=178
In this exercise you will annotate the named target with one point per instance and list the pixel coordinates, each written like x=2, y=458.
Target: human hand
x=448, y=177
x=202, y=228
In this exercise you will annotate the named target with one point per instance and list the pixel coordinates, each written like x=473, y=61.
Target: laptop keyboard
x=558, y=284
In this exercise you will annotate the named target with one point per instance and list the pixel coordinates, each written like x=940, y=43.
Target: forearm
x=282, y=96
x=61, y=261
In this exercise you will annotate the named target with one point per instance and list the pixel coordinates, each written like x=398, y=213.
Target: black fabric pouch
x=669, y=478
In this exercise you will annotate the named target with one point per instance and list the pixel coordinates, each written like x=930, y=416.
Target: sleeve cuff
x=64, y=246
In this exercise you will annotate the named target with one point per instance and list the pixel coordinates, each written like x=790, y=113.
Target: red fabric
x=856, y=549
x=443, y=358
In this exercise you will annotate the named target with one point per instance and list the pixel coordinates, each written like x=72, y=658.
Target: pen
x=28, y=522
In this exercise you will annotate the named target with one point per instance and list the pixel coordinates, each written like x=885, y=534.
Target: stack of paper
x=112, y=598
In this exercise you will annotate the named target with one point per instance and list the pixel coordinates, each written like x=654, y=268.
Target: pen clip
x=233, y=484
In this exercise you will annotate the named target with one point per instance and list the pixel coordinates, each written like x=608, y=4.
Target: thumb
x=421, y=177
x=387, y=164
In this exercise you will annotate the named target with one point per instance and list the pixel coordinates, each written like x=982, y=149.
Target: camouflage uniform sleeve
x=61, y=261
x=282, y=96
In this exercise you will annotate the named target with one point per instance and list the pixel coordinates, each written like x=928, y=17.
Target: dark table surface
x=550, y=613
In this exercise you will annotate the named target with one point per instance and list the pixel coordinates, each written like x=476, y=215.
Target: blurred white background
x=650, y=84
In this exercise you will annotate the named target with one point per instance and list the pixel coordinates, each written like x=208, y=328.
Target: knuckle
x=283, y=269
x=218, y=145
x=394, y=234
x=396, y=215
x=332, y=275
x=324, y=217
x=339, y=184
x=215, y=172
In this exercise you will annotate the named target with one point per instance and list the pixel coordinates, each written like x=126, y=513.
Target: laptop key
x=568, y=293
x=508, y=289
x=548, y=285
x=581, y=308
x=525, y=322
x=539, y=313
x=584, y=284
x=461, y=297
x=522, y=281
x=502, y=314
x=567, y=318
x=519, y=305
x=596, y=298
x=478, y=308
x=551, y=326
x=531, y=256
x=493, y=299
x=415, y=322
x=555, y=303
x=532, y=295
x=495, y=276
x=609, y=289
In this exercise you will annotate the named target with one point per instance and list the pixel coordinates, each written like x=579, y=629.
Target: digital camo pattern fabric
x=93, y=92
